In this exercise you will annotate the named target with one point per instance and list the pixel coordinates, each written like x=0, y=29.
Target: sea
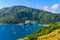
x=13, y=32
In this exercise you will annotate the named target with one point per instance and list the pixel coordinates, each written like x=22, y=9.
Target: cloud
x=52, y=9
x=55, y=6
x=46, y=8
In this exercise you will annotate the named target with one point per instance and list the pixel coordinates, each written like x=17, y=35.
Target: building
x=34, y=22
x=27, y=22
x=31, y=22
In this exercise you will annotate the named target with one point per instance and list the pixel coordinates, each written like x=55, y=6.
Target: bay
x=13, y=32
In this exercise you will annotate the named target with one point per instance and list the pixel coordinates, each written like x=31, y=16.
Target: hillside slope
x=47, y=31
x=55, y=35
x=19, y=14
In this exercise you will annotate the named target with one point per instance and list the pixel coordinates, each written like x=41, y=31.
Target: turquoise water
x=12, y=32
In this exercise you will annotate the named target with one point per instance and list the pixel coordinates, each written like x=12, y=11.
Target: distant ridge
x=19, y=14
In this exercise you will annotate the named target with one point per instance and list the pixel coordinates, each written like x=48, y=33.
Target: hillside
x=55, y=35
x=47, y=31
x=19, y=14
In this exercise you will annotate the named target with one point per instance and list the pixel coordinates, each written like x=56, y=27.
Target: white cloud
x=55, y=6
x=46, y=8
x=52, y=9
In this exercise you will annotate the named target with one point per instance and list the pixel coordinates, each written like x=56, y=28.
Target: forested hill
x=19, y=14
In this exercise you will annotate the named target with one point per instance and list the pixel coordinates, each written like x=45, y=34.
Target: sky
x=46, y=5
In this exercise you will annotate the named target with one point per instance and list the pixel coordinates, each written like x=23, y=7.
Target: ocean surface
x=13, y=32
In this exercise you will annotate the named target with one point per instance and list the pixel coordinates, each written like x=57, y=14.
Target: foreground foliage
x=55, y=35
x=43, y=31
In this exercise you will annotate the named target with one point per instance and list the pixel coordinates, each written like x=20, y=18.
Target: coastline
x=27, y=24
x=44, y=24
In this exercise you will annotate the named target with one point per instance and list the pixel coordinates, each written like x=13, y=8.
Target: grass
x=55, y=35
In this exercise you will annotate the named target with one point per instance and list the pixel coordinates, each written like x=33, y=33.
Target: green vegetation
x=54, y=35
x=19, y=14
x=43, y=31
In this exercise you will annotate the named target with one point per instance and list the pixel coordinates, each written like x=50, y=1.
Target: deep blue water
x=12, y=32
